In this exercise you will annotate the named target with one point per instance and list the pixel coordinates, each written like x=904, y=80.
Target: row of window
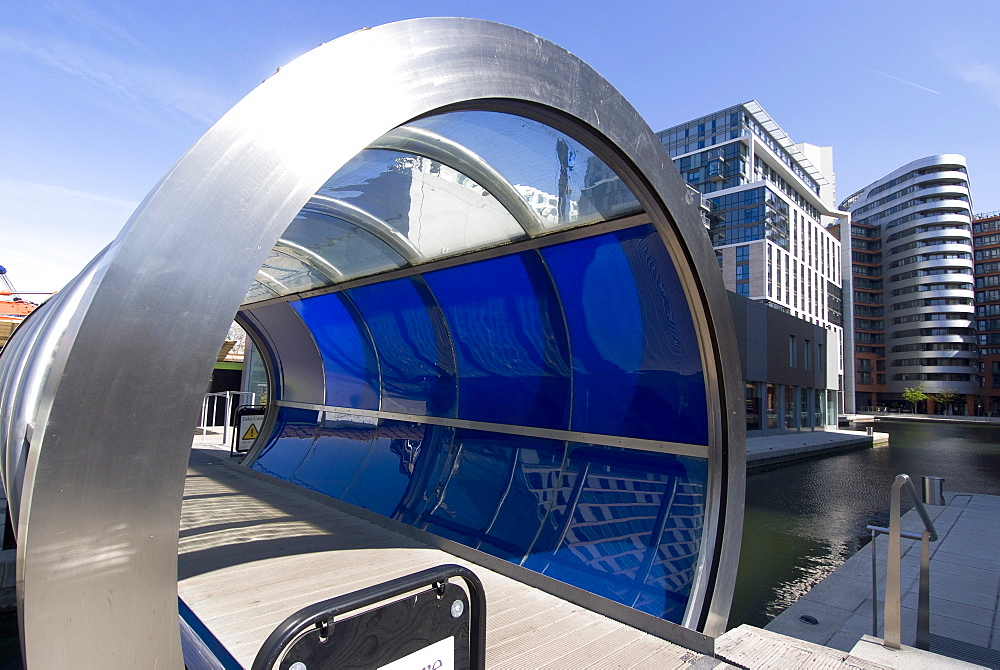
x=921, y=230
x=919, y=288
x=922, y=258
x=936, y=316
x=986, y=226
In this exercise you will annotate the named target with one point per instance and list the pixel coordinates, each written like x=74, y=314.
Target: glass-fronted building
x=768, y=205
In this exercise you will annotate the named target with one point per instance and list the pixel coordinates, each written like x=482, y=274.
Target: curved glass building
x=914, y=316
x=490, y=317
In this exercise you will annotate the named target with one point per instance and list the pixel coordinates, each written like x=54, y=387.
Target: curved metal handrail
x=892, y=613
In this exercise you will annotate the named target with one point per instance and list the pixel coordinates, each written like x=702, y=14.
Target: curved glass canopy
x=438, y=187
x=472, y=328
x=498, y=370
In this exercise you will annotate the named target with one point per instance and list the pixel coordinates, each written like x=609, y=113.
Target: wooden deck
x=251, y=553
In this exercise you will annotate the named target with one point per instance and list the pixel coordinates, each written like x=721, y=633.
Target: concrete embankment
x=774, y=449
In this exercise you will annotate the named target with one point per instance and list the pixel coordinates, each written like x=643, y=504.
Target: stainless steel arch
x=104, y=478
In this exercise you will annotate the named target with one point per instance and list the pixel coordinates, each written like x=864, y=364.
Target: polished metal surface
x=103, y=480
x=891, y=635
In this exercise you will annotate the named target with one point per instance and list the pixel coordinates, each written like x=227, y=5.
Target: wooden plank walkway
x=251, y=553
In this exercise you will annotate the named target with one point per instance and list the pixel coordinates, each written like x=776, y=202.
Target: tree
x=914, y=395
x=945, y=397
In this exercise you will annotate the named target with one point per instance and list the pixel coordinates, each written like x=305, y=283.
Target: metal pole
x=924, y=597
x=204, y=418
x=229, y=410
x=874, y=589
x=891, y=637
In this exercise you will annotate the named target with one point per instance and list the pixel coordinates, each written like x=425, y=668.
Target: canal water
x=804, y=519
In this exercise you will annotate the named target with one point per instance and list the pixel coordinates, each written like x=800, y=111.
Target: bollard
x=871, y=431
x=933, y=490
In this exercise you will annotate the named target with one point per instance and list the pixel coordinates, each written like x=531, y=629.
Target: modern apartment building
x=911, y=287
x=769, y=203
x=986, y=250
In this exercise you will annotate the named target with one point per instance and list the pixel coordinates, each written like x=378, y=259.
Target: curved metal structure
x=521, y=338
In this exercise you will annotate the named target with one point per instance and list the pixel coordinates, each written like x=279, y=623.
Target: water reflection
x=803, y=520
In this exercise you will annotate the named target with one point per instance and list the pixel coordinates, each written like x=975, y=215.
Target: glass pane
x=636, y=363
x=498, y=493
x=510, y=341
x=559, y=178
x=415, y=353
x=294, y=431
x=286, y=275
x=439, y=210
x=354, y=252
x=349, y=362
x=627, y=525
x=365, y=462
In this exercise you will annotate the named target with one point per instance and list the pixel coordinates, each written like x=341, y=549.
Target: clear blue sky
x=100, y=98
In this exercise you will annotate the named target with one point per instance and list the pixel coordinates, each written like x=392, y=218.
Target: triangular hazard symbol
x=251, y=433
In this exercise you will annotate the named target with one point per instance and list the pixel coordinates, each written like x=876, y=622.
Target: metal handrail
x=892, y=608
x=327, y=610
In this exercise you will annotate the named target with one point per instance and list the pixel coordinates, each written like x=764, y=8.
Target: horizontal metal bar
x=325, y=610
x=677, y=448
x=908, y=534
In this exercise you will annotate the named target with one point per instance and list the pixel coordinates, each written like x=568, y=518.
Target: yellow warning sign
x=251, y=433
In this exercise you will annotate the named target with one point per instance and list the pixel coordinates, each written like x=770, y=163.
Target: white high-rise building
x=769, y=204
x=912, y=294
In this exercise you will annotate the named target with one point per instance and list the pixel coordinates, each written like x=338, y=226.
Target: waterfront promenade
x=253, y=551
x=964, y=587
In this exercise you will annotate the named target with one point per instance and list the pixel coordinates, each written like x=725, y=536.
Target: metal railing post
x=924, y=596
x=874, y=586
x=892, y=612
x=891, y=636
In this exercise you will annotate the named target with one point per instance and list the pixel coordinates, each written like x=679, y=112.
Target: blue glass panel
x=510, y=341
x=636, y=364
x=294, y=431
x=623, y=524
x=496, y=492
x=361, y=462
x=348, y=357
x=416, y=357
x=627, y=525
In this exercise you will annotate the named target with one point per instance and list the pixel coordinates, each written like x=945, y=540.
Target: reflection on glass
x=636, y=361
x=509, y=338
x=438, y=209
x=283, y=274
x=353, y=251
x=623, y=524
x=416, y=356
x=483, y=179
x=349, y=362
x=559, y=178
